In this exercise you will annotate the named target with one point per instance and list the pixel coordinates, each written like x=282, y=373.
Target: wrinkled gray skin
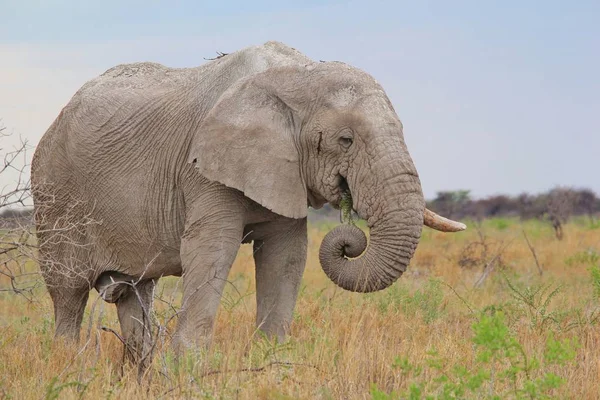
x=152, y=171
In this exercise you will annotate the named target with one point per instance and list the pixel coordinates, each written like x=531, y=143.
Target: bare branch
x=489, y=267
x=260, y=369
x=16, y=270
x=537, y=263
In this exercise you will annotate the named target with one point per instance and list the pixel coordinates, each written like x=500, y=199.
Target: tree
x=560, y=206
x=587, y=203
x=451, y=203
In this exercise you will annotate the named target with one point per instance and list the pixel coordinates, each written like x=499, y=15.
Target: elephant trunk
x=395, y=233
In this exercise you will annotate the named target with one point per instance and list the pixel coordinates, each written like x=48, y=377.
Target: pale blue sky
x=496, y=97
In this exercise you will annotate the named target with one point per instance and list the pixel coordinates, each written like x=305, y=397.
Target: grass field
x=519, y=334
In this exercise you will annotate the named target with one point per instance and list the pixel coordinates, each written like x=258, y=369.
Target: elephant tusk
x=440, y=223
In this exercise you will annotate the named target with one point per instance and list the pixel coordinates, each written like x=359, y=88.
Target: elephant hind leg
x=134, y=307
x=69, y=306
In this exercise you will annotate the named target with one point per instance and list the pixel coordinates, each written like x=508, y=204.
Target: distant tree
x=530, y=206
x=587, y=203
x=451, y=203
x=560, y=206
x=556, y=205
x=496, y=206
x=13, y=217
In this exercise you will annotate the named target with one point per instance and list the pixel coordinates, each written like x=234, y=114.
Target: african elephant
x=152, y=171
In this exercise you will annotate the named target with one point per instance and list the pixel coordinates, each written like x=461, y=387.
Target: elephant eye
x=345, y=141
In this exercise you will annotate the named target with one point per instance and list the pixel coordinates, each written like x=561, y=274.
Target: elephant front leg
x=208, y=250
x=280, y=258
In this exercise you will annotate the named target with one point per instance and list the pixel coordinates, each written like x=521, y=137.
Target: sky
x=495, y=97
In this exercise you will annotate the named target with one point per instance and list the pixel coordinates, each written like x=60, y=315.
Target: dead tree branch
x=537, y=263
x=16, y=227
x=491, y=265
x=260, y=369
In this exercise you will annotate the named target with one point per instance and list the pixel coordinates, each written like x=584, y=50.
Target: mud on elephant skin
x=178, y=166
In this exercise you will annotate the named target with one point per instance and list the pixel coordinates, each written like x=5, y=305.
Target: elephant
x=151, y=171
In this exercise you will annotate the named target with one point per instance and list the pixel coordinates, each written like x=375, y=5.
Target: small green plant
x=500, y=224
x=502, y=368
x=377, y=394
x=234, y=295
x=428, y=301
x=534, y=302
x=266, y=349
x=595, y=275
x=593, y=224
x=585, y=257
x=590, y=223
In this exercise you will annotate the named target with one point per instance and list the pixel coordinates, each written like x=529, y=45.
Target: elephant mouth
x=343, y=185
x=430, y=218
x=315, y=200
x=341, y=188
x=343, y=198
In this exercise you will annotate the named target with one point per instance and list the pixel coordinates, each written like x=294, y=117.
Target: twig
x=460, y=297
x=537, y=263
x=490, y=266
x=107, y=329
x=258, y=369
x=219, y=55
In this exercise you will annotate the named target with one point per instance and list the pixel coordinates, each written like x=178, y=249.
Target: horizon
x=427, y=199
x=494, y=99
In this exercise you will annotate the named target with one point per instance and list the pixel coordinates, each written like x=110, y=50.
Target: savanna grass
x=521, y=334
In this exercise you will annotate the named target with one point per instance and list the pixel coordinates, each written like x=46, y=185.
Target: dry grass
x=341, y=343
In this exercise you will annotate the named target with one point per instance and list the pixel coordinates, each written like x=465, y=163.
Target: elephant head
x=289, y=136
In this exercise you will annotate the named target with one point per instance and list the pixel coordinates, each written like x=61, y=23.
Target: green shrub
x=585, y=257
x=500, y=224
x=595, y=275
x=501, y=362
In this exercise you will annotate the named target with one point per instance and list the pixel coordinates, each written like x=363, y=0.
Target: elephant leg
x=280, y=258
x=134, y=308
x=69, y=306
x=208, y=249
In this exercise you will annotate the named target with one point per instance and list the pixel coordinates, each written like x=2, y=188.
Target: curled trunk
x=352, y=265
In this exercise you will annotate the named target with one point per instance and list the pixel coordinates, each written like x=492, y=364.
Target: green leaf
x=560, y=351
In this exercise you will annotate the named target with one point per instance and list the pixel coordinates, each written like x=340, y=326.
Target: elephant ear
x=246, y=142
